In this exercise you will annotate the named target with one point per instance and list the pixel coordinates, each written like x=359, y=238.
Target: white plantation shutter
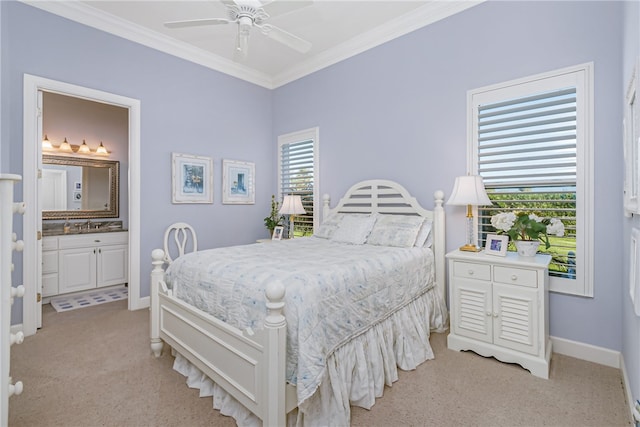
x=297, y=174
x=531, y=145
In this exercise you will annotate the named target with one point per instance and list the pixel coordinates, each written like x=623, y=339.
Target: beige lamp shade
x=292, y=205
x=469, y=190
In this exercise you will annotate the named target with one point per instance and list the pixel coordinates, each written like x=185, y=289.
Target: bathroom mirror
x=79, y=188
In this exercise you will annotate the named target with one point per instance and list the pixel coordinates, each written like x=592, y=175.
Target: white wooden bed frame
x=250, y=365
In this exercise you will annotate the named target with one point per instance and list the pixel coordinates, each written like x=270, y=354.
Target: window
x=298, y=174
x=531, y=141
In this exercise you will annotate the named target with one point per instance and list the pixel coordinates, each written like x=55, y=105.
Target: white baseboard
x=588, y=352
x=144, y=302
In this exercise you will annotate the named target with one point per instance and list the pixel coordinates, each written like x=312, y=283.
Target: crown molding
x=418, y=18
x=92, y=17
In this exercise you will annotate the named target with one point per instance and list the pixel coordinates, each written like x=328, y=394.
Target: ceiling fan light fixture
x=242, y=39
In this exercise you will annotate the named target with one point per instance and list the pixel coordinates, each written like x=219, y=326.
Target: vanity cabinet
x=499, y=308
x=84, y=262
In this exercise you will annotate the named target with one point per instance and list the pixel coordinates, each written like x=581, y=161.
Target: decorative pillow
x=329, y=226
x=424, y=239
x=395, y=230
x=354, y=229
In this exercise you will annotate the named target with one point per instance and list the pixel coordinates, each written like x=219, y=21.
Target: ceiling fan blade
x=286, y=38
x=280, y=7
x=196, y=22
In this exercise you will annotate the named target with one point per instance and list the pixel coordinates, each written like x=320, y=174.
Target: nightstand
x=499, y=306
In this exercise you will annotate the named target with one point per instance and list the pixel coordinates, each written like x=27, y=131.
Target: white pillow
x=424, y=239
x=395, y=230
x=354, y=229
x=329, y=226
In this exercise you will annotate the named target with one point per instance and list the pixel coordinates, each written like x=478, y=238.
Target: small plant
x=274, y=219
x=523, y=226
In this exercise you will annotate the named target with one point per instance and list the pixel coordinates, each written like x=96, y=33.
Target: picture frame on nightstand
x=277, y=233
x=496, y=244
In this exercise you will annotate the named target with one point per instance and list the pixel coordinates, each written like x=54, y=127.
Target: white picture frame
x=496, y=244
x=238, y=182
x=192, y=178
x=631, y=125
x=278, y=231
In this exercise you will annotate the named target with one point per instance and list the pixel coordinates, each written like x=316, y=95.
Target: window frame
x=582, y=77
x=300, y=136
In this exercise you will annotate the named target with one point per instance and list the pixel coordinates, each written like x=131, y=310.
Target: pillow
x=354, y=229
x=329, y=226
x=424, y=239
x=395, y=230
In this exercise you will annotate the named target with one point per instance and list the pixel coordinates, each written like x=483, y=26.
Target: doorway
x=32, y=167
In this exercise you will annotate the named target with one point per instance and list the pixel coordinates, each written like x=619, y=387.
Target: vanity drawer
x=471, y=270
x=516, y=276
x=49, y=284
x=49, y=262
x=49, y=243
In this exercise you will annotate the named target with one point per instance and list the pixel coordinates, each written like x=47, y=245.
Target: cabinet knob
x=489, y=313
x=470, y=272
x=514, y=277
x=495, y=314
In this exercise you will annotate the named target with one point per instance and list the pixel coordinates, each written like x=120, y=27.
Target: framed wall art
x=238, y=182
x=192, y=179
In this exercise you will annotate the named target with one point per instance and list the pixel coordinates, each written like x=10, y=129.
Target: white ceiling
x=337, y=29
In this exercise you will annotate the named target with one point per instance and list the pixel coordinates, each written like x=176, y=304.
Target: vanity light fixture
x=65, y=146
x=101, y=150
x=46, y=144
x=84, y=148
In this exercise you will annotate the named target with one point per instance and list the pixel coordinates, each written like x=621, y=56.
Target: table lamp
x=291, y=205
x=469, y=190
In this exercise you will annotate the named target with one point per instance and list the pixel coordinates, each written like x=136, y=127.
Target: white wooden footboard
x=248, y=365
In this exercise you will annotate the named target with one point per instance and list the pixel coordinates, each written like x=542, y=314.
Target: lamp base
x=469, y=248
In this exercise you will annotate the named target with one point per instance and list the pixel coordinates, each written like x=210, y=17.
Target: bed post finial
x=326, y=199
x=157, y=275
x=275, y=305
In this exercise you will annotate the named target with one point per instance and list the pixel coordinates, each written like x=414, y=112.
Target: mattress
x=334, y=292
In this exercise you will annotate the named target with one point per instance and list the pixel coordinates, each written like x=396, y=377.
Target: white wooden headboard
x=389, y=197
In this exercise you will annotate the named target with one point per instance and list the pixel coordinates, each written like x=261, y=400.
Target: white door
x=38, y=208
x=54, y=190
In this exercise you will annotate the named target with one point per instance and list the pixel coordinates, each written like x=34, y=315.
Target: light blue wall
x=399, y=111
x=630, y=323
x=185, y=108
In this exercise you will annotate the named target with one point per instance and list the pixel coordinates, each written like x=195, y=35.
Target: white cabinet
x=499, y=307
x=84, y=262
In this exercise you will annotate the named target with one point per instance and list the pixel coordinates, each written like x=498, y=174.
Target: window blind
x=297, y=177
x=527, y=158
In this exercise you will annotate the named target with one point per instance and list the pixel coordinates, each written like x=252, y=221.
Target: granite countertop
x=57, y=229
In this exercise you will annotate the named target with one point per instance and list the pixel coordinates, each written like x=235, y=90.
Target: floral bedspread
x=334, y=292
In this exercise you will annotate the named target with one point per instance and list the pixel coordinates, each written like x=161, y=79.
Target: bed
x=272, y=337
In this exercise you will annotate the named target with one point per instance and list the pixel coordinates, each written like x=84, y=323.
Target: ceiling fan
x=249, y=14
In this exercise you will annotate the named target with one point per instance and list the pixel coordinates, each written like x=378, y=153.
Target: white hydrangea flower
x=555, y=227
x=503, y=221
x=535, y=218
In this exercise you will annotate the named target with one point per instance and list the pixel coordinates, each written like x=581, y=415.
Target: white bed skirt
x=356, y=372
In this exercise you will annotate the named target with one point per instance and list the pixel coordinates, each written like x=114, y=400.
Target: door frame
x=32, y=222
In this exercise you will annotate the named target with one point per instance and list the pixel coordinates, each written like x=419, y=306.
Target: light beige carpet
x=93, y=367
